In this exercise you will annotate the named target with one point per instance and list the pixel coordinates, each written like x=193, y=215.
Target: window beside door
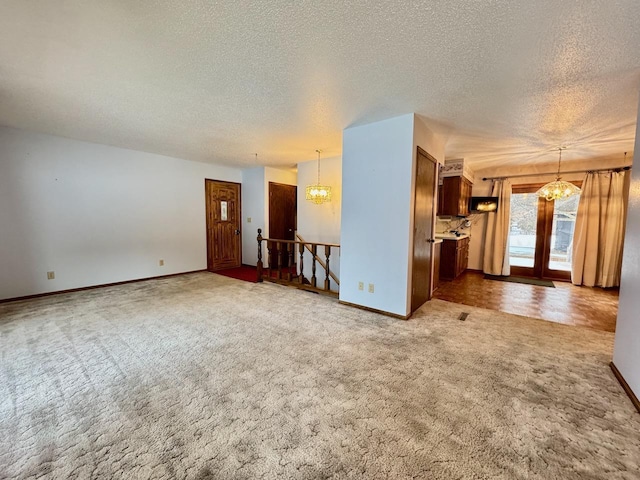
x=522, y=231
x=563, y=227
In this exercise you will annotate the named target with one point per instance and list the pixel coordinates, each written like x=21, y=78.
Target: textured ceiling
x=507, y=81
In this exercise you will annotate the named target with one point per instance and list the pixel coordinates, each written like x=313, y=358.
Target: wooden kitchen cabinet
x=454, y=196
x=454, y=258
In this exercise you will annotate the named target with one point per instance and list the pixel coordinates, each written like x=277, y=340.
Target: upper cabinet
x=454, y=196
x=455, y=188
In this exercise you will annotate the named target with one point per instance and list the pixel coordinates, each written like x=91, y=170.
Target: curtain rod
x=617, y=169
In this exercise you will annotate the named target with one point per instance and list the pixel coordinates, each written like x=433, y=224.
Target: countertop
x=451, y=236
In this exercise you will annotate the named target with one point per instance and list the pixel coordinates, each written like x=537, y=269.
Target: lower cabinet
x=454, y=258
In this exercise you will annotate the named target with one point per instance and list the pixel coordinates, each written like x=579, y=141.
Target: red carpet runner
x=245, y=272
x=248, y=273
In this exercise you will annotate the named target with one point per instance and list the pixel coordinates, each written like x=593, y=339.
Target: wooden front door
x=424, y=218
x=224, y=240
x=282, y=218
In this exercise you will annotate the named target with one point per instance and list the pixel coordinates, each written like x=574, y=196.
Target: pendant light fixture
x=558, y=188
x=318, y=193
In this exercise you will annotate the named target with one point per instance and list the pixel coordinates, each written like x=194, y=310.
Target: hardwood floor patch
x=567, y=303
x=515, y=279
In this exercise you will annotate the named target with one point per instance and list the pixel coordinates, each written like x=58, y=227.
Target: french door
x=541, y=234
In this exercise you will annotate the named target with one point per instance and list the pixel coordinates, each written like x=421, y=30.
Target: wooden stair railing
x=276, y=248
x=319, y=260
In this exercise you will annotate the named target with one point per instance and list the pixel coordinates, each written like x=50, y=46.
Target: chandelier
x=558, y=188
x=318, y=193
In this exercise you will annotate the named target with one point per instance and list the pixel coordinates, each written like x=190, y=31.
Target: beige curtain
x=496, y=240
x=599, y=232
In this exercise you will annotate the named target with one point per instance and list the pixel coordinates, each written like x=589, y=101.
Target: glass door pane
x=522, y=231
x=564, y=222
x=541, y=234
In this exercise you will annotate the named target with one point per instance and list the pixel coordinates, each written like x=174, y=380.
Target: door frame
x=208, y=226
x=273, y=260
x=544, y=230
x=295, y=200
x=414, y=300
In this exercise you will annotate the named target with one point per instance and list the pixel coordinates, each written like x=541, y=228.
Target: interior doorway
x=541, y=234
x=424, y=218
x=283, y=203
x=224, y=239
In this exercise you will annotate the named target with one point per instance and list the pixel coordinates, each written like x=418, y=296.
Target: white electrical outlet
x=248, y=219
x=371, y=288
x=161, y=263
x=51, y=275
x=360, y=285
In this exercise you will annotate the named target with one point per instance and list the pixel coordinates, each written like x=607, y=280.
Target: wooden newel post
x=259, y=264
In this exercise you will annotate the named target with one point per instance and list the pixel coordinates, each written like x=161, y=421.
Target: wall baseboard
x=375, y=310
x=625, y=386
x=91, y=287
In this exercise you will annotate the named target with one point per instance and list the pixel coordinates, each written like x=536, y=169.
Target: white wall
x=253, y=208
x=321, y=223
x=287, y=176
x=626, y=352
x=429, y=141
x=96, y=214
x=378, y=169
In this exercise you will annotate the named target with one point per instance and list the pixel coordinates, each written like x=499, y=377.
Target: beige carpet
x=203, y=376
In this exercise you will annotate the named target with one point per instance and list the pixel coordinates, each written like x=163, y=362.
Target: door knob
x=237, y=232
